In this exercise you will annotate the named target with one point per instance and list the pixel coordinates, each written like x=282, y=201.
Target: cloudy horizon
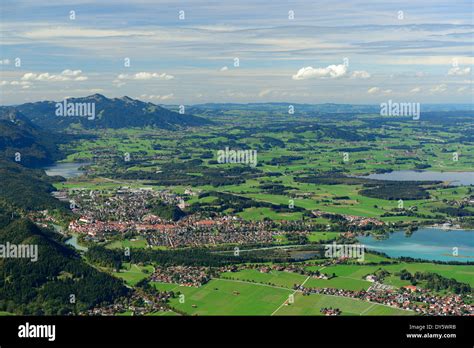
x=168, y=52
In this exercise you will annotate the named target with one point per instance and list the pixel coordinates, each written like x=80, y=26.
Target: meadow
x=290, y=150
x=132, y=273
x=462, y=273
x=234, y=297
x=287, y=149
x=289, y=279
x=312, y=304
x=227, y=297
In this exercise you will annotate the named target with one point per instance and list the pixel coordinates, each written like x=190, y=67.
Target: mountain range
x=24, y=142
x=121, y=112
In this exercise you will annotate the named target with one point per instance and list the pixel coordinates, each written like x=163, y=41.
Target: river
x=73, y=242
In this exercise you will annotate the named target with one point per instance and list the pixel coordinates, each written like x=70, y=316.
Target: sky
x=192, y=52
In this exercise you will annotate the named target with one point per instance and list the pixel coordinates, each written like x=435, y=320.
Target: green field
x=165, y=286
x=288, y=279
x=300, y=160
x=163, y=314
x=132, y=274
x=277, y=278
x=373, y=258
x=462, y=273
x=318, y=237
x=154, y=314
x=139, y=242
x=314, y=151
x=312, y=304
x=261, y=213
x=219, y=297
x=338, y=283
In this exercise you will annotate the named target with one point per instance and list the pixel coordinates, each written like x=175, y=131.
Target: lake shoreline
x=427, y=243
x=453, y=178
x=67, y=170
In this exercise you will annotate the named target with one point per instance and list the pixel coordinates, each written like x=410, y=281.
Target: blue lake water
x=426, y=243
x=454, y=178
x=66, y=170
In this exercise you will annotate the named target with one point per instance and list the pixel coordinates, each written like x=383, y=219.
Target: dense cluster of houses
x=329, y=311
x=106, y=213
x=123, y=204
x=183, y=275
x=139, y=303
x=211, y=232
x=281, y=267
x=358, y=221
x=421, y=301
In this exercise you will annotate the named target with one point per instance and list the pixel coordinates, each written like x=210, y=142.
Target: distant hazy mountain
x=108, y=113
x=20, y=138
x=315, y=109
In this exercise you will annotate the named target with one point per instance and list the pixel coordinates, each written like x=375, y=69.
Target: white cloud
x=65, y=75
x=23, y=84
x=457, y=71
x=69, y=72
x=377, y=90
x=416, y=90
x=236, y=94
x=78, y=32
x=118, y=83
x=439, y=88
x=145, y=76
x=157, y=97
x=308, y=44
x=331, y=71
x=361, y=74
x=462, y=89
x=166, y=97
x=29, y=76
x=264, y=92
x=429, y=60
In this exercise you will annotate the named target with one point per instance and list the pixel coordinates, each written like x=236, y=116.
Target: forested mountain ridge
x=45, y=286
x=25, y=143
x=25, y=188
x=109, y=113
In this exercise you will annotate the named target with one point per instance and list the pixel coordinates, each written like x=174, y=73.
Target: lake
x=454, y=178
x=426, y=243
x=66, y=170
